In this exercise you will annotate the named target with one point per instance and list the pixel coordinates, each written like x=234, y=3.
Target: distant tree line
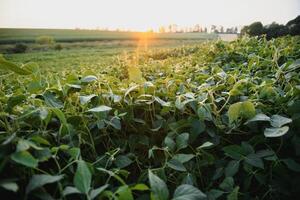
x=273, y=30
x=174, y=28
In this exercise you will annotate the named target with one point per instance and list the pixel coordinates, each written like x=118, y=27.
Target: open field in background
x=8, y=36
x=88, y=47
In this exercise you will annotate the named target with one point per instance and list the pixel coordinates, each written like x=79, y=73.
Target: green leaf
x=135, y=74
x=214, y=194
x=276, y=132
x=74, y=86
x=114, y=122
x=122, y=161
x=101, y=108
x=189, y=179
x=205, y=145
x=254, y=160
x=96, y=192
x=182, y=141
x=159, y=188
x=40, y=180
x=88, y=79
x=162, y=102
x=25, y=158
x=278, y=121
x=188, y=192
x=60, y=116
x=86, y=99
x=124, y=193
x=169, y=142
x=9, y=185
x=234, y=194
x=227, y=184
x=183, y=158
x=258, y=117
x=175, y=164
x=140, y=187
x=234, y=151
x=70, y=190
x=6, y=65
x=197, y=128
x=82, y=179
x=14, y=100
x=31, y=67
x=291, y=164
x=52, y=101
x=232, y=168
x=22, y=145
x=245, y=110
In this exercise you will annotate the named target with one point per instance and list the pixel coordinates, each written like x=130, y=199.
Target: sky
x=142, y=15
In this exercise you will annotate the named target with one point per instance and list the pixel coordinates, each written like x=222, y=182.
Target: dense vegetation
x=273, y=30
x=214, y=121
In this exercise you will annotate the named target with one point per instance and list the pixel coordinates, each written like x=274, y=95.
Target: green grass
x=217, y=120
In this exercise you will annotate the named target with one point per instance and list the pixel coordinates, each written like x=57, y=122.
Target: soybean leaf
x=182, y=141
x=278, y=121
x=101, y=108
x=25, y=158
x=6, y=65
x=227, y=184
x=124, y=193
x=234, y=194
x=175, y=164
x=183, y=158
x=52, y=101
x=70, y=190
x=162, y=102
x=96, y=192
x=140, y=187
x=276, y=132
x=254, y=160
x=258, y=117
x=40, y=180
x=88, y=79
x=159, y=188
x=60, y=116
x=205, y=145
x=82, y=179
x=232, y=168
x=234, y=151
x=169, y=142
x=243, y=110
x=214, y=194
x=188, y=192
x=9, y=185
x=86, y=99
x=292, y=165
x=123, y=161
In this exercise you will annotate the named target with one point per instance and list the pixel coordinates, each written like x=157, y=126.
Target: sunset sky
x=142, y=14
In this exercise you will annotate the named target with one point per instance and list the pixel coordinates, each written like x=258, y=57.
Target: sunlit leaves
x=135, y=74
x=243, y=110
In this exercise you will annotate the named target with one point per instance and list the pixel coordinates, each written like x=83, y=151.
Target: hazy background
x=142, y=14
